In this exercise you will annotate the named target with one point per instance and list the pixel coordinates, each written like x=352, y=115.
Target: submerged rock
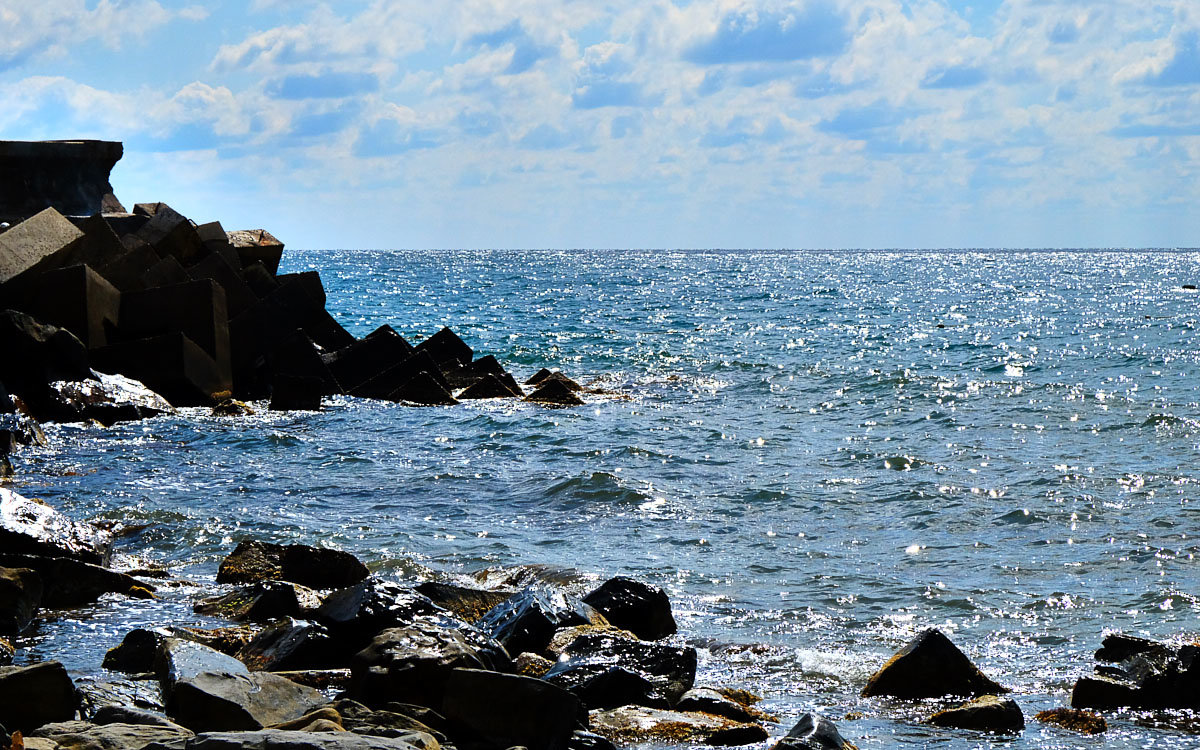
x=638, y=607
x=35, y=695
x=930, y=666
x=314, y=567
x=706, y=700
x=554, y=392
x=987, y=713
x=1076, y=720
x=262, y=602
x=32, y=528
x=108, y=400
x=1140, y=673
x=70, y=583
x=813, y=732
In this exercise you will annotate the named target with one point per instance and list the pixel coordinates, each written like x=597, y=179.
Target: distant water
x=820, y=454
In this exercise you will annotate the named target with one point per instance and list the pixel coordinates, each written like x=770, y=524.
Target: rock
x=7, y=652
x=293, y=645
x=359, y=719
x=171, y=364
x=986, y=713
x=532, y=665
x=358, y=613
x=36, y=354
x=296, y=356
x=262, y=602
x=1083, y=722
x=126, y=715
x=930, y=666
x=518, y=577
x=178, y=660
x=314, y=567
x=321, y=679
x=17, y=429
x=70, y=583
x=446, y=347
x=257, y=246
x=292, y=300
x=279, y=739
x=228, y=640
x=136, y=653
x=36, y=695
x=465, y=603
x=71, y=176
x=231, y=407
x=511, y=710
x=20, y=595
x=388, y=382
x=425, y=390
x=43, y=242
x=129, y=694
x=489, y=386
x=112, y=736
x=107, y=400
x=296, y=393
x=77, y=299
x=639, y=725
x=672, y=671
x=554, y=393
x=528, y=620
x=216, y=701
x=413, y=663
x=705, y=700
x=326, y=718
x=638, y=607
x=581, y=740
x=1141, y=674
x=813, y=732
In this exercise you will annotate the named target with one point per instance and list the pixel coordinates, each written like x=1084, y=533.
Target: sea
x=816, y=454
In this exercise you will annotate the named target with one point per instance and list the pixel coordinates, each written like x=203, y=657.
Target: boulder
x=583, y=740
x=1075, y=720
x=70, y=583
x=465, y=603
x=813, y=732
x=38, y=244
x=511, y=710
x=35, y=695
x=293, y=645
x=672, y=671
x=71, y=176
x=314, y=567
x=116, y=714
x=325, y=719
x=239, y=297
x=447, y=348
x=20, y=595
x=111, y=736
x=137, y=651
x=257, y=246
x=554, y=393
x=32, y=528
x=413, y=663
x=987, y=713
x=638, y=607
x=358, y=613
x=359, y=719
x=930, y=666
x=566, y=636
x=528, y=620
x=280, y=739
x=538, y=376
x=170, y=364
x=423, y=389
x=640, y=725
x=1143, y=674
x=178, y=661
x=107, y=399
x=221, y=701
x=262, y=602
x=296, y=393
x=129, y=693
x=296, y=355
x=36, y=354
x=708, y=701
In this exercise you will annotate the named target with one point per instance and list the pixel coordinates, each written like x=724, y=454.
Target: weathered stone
x=987, y=713
x=465, y=603
x=930, y=666
x=179, y=660
x=315, y=567
x=36, y=695
x=262, y=602
x=358, y=613
x=137, y=651
x=532, y=665
x=41, y=243
x=70, y=583
x=257, y=246
x=425, y=390
x=216, y=702
x=28, y=527
x=130, y=694
x=293, y=645
x=296, y=393
x=327, y=714
x=171, y=364
x=672, y=671
x=216, y=240
x=554, y=393
x=638, y=607
x=813, y=732
x=545, y=377
x=519, y=577
x=445, y=346
x=511, y=710
x=1075, y=720
x=638, y=725
x=321, y=679
x=261, y=281
x=413, y=663
x=111, y=736
x=705, y=700
x=71, y=176
x=359, y=719
x=20, y=595
x=564, y=637
x=228, y=640
x=538, y=376
x=280, y=739
x=528, y=620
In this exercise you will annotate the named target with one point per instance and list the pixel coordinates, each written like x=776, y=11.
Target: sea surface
x=817, y=454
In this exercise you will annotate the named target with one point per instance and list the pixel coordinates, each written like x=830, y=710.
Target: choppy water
x=820, y=455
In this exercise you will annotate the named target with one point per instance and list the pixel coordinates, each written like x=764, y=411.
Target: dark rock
x=524, y=576
x=215, y=240
x=36, y=354
x=309, y=281
x=425, y=390
x=20, y=595
x=28, y=527
x=125, y=271
x=672, y=671
x=554, y=393
x=19, y=429
x=171, y=233
x=216, y=702
x=324, y=719
x=231, y=407
x=228, y=640
x=986, y=713
x=489, y=386
x=179, y=660
x=111, y=736
x=257, y=246
x=527, y=621
x=280, y=739
x=538, y=376
x=296, y=393
x=1083, y=722
x=172, y=365
x=101, y=245
x=709, y=701
x=359, y=719
x=930, y=666
x=1141, y=674
x=107, y=399
x=446, y=347
x=532, y=665
x=302, y=311
x=7, y=652
x=261, y=281
x=358, y=613
x=413, y=663
x=1117, y=647
x=38, y=244
x=135, y=693
x=79, y=300
x=70, y=583
x=71, y=176
x=262, y=602
x=321, y=679
x=293, y=645
x=297, y=355
x=511, y=710
x=611, y=687
x=464, y=603
x=314, y=567
x=36, y=695
x=126, y=715
x=813, y=732
x=385, y=384
x=641, y=725
x=559, y=377
x=137, y=651
x=581, y=740
x=638, y=607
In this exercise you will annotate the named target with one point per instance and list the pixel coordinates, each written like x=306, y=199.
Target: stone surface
x=137, y=651
x=35, y=695
x=1075, y=720
x=216, y=701
x=257, y=246
x=511, y=710
x=391, y=723
x=930, y=666
x=71, y=176
x=358, y=613
x=710, y=701
x=813, y=732
x=262, y=602
x=108, y=399
x=314, y=567
x=126, y=694
x=70, y=583
x=639, y=725
x=197, y=309
x=672, y=671
x=293, y=645
x=527, y=621
x=28, y=527
x=178, y=660
x=1143, y=674
x=38, y=244
x=20, y=595
x=280, y=739
x=467, y=604
x=641, y=608
x=386, y=383
x=987, y=713
x=112, y=736
x=114, y=714
x=489, y=386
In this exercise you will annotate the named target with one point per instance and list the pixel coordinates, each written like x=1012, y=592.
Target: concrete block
x=38, y=244
x=296, y=392
x=446, y=347
x=171, y=233
x=295, y=300
x=171, y=365
x=126, y=270
x=310, y=281
x=195, y=308
x=70, y=176
x=259, y=279
x=257, y=246
x=79, y=300
x=361, y=361
x=166, y=272
x=238, y=295
x=385, y=384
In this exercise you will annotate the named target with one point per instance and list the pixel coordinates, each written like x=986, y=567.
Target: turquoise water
x=816, y=454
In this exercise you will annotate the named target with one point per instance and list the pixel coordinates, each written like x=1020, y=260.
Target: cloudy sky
x=633, y=123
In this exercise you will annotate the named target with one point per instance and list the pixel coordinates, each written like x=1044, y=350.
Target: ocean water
x=816, y=454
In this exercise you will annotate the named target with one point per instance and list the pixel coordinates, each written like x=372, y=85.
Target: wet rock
x=705, y=700
x=222, y=701
x=425, y=390
x=178, y=661
x=359, y=719
x=262, y=602
x=987, y=713
x=412, y=664
x=108, y=399
x=554, y=393
x=231, y=407
x=296, y=393
x=314, y=567
x=528, y=620
x=538, y=376
x=511, y=710
x=293, y=645
x=136, y=652
x=321, y=679
x=36, y=695
x=228, y=640
x=1141, y=674
x=446, y=347
x=1075, y=720
x=279, y=739
x=671, y=671
x=20, y=595
x=70, y=583
x=131, y=695
x=36, y=354
x=638, y=607
x=111, y=736
x=518, y=577
x=532, y=665
x=813, y=732
x=42, y=242
x=358, y=613
x=638, y=724
x=18, y=429
x=582, y=740
x=930, y=666
x=465, y=603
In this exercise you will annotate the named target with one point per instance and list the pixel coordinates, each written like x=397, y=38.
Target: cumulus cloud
x=48, y=28
x=812, y=29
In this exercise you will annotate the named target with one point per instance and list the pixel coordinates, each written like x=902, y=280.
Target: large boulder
x=638, y=725
x=358, y=613
x=638, y=607
x=36, y=354
x=108, y=399
x=224, y=701
x=262, y=602
x=80, y=736
x=178, y=660
x=314, y=567
x=35, y=695
x=987, y=713
x=528, y=620
x=813, y=732
x=32, y=528
x=280, y=739
x=511, y=710
x=20, y=595
x=671, y=671
x=465, y=603
x=256, y=246
x=289, y=645
x=1139, y=673
x=70, y=583
x=930, y=666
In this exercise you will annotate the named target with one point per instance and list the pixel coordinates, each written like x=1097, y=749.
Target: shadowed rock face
x=71, y=176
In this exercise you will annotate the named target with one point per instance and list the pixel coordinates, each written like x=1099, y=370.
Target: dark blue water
x=816, y=454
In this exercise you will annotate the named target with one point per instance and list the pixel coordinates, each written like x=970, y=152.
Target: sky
x=632, y=123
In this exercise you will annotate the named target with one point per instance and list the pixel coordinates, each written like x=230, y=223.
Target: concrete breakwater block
x=70, y=176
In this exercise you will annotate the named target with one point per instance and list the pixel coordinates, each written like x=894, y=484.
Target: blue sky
x=633, y=123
